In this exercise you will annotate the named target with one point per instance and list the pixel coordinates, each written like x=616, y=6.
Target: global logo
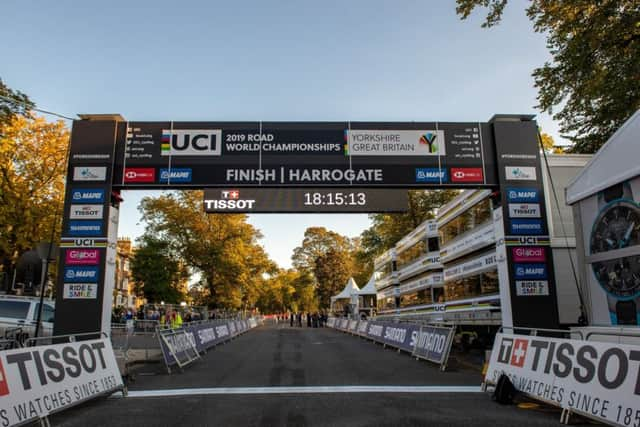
x=428, y=139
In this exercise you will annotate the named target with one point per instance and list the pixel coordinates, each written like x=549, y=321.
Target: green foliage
x=329, y=257
x=594, y=77
x=332, y=270
x=223, y=248
x=288, y=290
x=13, y=103
x=157, y=273
x=317, y=241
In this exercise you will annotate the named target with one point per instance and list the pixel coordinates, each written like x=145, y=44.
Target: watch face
x=619, y=277
x=616, y=227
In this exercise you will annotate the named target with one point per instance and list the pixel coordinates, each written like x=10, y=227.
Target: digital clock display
x=298, y=200
x=335, y=198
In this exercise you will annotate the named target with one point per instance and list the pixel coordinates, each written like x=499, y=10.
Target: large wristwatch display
x=616, y=264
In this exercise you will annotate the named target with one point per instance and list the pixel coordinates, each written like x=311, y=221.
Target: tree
x=288, y=290
x=12, y=103
x=594, y=76
x=332, y=270
x=223, y=247
x=317, y=241
x=32, y=176
x=157, y=273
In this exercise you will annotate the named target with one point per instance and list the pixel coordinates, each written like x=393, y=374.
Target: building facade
x=446, y=271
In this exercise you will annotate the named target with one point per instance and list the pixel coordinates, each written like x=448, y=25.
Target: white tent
x=616, y=161
x=350, y=289
x=350, y=292
x=370, y=287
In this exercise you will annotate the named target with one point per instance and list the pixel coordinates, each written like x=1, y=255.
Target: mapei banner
x=38, y=381
x=600, y=380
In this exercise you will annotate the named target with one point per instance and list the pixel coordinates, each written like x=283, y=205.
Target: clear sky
x=270, y=60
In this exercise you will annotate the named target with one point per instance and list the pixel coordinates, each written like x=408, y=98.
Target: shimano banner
x=38, y=381
x=199, y=336
x=431, y=343
x=596, y=379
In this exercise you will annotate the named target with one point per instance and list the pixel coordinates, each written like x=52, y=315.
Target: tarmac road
x=282, y=376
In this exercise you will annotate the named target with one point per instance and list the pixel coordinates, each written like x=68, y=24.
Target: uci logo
x=191, y=142
x=528, y=240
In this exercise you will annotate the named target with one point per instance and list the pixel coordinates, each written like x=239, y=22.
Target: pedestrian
x=299, y=320
x=308, y=320
x=291, y=320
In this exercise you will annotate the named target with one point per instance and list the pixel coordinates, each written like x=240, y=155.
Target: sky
x=274, y=60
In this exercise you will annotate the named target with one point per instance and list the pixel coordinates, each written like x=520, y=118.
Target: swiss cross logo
x=519, y=352
x=230, y=194
x=4, y=387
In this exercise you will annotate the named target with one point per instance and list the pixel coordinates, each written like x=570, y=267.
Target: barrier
x=599, y=380
x=183, y=346
x=38, y=381
x=431, y=343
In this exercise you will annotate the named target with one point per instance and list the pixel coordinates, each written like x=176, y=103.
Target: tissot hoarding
x=276, y=154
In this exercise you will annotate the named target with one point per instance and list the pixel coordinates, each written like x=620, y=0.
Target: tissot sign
x=319, y=167
x=600, y=380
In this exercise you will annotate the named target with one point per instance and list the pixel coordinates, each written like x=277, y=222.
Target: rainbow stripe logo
x=165, y=141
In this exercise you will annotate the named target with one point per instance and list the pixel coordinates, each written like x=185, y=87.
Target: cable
x=39, y=110
x=582, y=320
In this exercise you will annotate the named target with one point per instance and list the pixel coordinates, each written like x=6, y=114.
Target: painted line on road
x=301, y=390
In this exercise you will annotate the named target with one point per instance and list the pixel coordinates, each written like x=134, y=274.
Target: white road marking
x=300, y=390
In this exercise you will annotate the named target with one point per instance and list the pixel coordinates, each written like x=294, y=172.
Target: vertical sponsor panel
x=80, y=303
x=524, y=215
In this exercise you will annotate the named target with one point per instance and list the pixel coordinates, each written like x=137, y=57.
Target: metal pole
x=45, y=272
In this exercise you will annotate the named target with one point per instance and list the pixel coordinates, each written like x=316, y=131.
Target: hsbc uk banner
x=596, y=379
x=38, y=381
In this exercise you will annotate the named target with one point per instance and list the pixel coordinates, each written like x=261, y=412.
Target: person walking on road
x=291, y=320
x=308, y=320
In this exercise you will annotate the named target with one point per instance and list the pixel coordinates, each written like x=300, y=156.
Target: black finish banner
x=324, y=154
